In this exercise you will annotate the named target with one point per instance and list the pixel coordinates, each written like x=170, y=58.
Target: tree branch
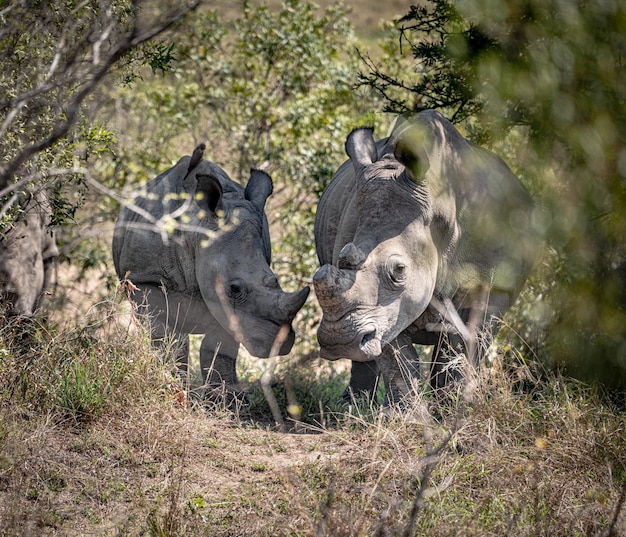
x=131, y=40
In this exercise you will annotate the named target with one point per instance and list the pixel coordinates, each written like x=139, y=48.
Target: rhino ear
x=259, y=188
x=211, y=190
x=411, y=151
x=360, y=146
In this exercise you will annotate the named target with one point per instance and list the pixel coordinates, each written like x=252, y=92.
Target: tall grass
x=97, y=437
x=78, y=373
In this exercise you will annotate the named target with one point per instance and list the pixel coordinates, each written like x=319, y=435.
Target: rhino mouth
x=11, y=305
x=363, y=346
x=278, y=342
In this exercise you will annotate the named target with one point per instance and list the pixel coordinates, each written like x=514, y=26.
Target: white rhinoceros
x=210, y=273
x=423, y=238
x=28, y=252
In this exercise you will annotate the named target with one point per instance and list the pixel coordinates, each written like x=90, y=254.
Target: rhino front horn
x=330, y=285
x=290, y=303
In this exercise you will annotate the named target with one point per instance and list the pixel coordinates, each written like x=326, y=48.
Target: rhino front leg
x=175, y=347
x=218, y=362
x=400, y=368
x=363, y=382
x=164, y=315
x=455, y=355
x=446, y=366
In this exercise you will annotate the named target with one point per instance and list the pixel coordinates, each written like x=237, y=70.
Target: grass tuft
x=97, y=437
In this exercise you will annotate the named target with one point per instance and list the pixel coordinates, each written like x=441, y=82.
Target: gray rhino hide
x=28, y=252
x=423, y=238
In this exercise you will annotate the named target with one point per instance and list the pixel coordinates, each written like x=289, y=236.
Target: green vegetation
x=98, y=437
x=543, y=83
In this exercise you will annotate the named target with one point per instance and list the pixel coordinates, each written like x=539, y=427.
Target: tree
x=438, y=79
x=53, y=57
x=545, y=81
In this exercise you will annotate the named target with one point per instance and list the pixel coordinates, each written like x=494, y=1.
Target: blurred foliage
x=53, y=57
x=544, y=82
x=271, y=89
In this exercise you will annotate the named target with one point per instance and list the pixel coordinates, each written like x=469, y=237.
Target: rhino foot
x=362, y=398
x=224, y=395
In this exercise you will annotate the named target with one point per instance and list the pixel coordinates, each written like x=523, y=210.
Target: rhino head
x=384, y=278
x=233, y=272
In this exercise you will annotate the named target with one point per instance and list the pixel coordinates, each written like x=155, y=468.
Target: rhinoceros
x=197, y=245
x=28, y=253
x=423, y=238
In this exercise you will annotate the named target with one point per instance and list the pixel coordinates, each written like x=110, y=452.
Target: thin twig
x=430, y=463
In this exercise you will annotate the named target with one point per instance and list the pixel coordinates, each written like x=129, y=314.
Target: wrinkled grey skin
x=212, y=275
x=408, y=224
x=28, y=253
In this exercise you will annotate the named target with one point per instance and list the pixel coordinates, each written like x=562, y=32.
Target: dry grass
x=534, y=454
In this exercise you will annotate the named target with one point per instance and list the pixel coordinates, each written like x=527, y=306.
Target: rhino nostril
x=368, y=336
x=370, y=344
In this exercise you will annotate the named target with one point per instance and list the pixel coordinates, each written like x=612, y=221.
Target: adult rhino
x=211, y=273
x=423, y=238
x=28, y=253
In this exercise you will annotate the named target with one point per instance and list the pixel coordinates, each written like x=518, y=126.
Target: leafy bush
x=526, y=78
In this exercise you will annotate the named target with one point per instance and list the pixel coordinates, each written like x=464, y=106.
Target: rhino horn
x=290, y=303
x=351, y=256
x=330, y=284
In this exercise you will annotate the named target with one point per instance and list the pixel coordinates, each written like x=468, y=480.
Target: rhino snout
x=337, y=341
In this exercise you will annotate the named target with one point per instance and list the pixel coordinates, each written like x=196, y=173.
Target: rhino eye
x=396, y=272
x=237, y=291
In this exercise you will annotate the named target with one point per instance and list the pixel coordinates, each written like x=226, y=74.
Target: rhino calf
x=423, y=238
x=28, y=252
x=197, y=245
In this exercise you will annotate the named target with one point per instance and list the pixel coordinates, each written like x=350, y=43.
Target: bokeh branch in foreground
x=52, y=59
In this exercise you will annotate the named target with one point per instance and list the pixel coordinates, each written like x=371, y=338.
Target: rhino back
x=492, y=213
x=152, y=257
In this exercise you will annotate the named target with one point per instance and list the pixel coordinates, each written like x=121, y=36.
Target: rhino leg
x=175, y=347
x=453, y=355
x=400, y=368
x=448, y=362
x=172, y=316
x=363, y=382
x=217, y=367
x=218, y=360
x=174, y=344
